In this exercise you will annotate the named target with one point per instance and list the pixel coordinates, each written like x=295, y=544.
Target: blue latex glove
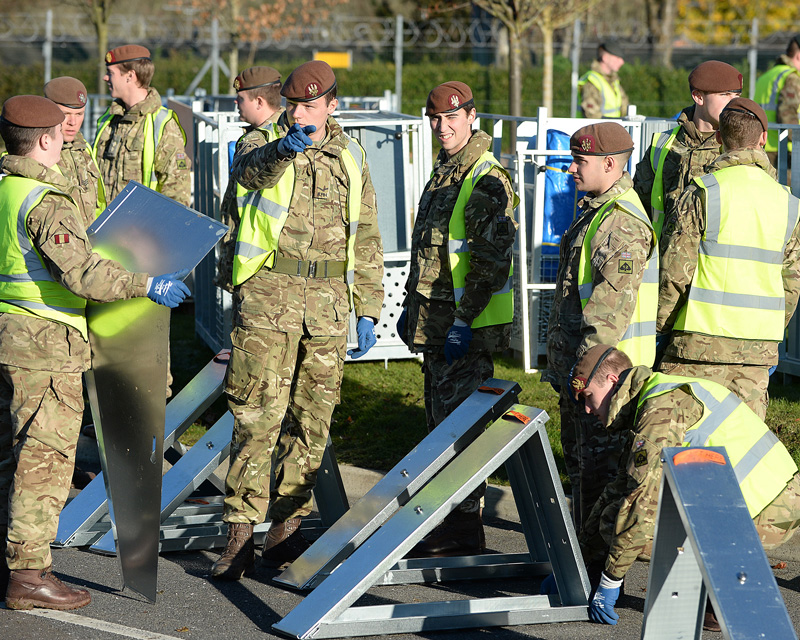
x=548, y=586
x=456, y=344
x=168, y=289
x=401, y=326
x=772, y=369
x=296, y=139
x=601, y=608
x=365, y=330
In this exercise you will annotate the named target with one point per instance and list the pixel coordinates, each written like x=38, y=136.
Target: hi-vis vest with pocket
x=737, y=287
x=611, y=93
x=662, y=143
x=639, y=339
x=154, y=125
x=262, y=215
x=26, y=287
x=768, y=87
x=762, y=465
x=500, y=309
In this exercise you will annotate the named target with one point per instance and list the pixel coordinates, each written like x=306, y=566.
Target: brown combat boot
x=239, y=554
x=284, y=544
x=459, y=534
x=29, y=588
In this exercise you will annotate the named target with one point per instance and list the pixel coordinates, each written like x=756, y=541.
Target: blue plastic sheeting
x=560, y=197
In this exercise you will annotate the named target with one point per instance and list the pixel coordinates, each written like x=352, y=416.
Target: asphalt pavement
x=191, y=606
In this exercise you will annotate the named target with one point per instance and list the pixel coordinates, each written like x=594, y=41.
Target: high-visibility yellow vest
x=662, y=143
x=762, y=465
x=611, y=93
x=768, y=87
x=154, y=125
x=101, y=203
x=639, y=339
x=26, y=287
x=737, y=287
x=262, y=215
x=500, y=309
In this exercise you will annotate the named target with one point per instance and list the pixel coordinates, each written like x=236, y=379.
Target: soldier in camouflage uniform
x=625, y=398
x=137, y=138
x=778, y=93
x=458, y=316
x=47, y=272
x=678, y=156
x=258, y=98
x=602, y=95
x=605, y=255
x=308, y=247
x=77, y=163
x=728, y=327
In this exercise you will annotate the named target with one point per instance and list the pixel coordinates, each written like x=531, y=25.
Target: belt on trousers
x=309, y=268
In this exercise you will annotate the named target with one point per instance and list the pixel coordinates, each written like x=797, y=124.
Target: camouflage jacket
x=121, y=144
x=592, y=98
x=315, y=230
x=572, y=330
x=78, y=165
x=788, y=105
x=687, y=158
x=622, y=522
x=229, y=210
x=490, y=227
x=35, y=343
x=681, y=243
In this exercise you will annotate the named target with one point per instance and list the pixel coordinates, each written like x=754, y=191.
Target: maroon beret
x=448, y=97
x=714, y=76
x=311, y=80
x=127, y=53
x=255, y=77
x=583, y=372
x=601, y=139
x=66, y=91
x=32, y=111
x=745, y=105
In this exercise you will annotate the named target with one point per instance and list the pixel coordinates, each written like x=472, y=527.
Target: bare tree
x=99, y=13
x=661, y=25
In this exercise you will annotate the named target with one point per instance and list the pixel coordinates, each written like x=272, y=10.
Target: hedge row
x=656, y=91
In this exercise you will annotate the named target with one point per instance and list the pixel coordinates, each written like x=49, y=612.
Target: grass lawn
x=382, y=412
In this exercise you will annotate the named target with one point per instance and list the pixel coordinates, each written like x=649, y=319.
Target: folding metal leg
x=705, y=540
x=400, y=484
x=327, y=612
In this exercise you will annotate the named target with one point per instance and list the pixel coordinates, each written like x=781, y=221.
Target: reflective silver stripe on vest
x=737, y=252
x=773, y=94
x=457, y=246
x=720, y=411
x=639, y=330
x=247, y=250
x=261, y=204
x=659, y=147
x=39, y=305
x=36, y=270
x=357, y=152
x=585, y=290
x=458, y=292
x=744, y=300
x=650, y=275
x=477, y=172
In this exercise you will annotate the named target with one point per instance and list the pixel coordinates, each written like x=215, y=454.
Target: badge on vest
x=61, y=238
x=625, y=263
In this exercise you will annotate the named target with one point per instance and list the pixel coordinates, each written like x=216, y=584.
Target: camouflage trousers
x=748, y=381
x=591, y=455
x=446, y=387
x=40, y=421
x=780, y=519
x=282, y=389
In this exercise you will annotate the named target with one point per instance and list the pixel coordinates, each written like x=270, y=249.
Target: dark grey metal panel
x=705, y=536
x=146, y=232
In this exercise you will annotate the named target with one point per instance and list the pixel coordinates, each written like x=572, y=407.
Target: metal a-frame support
x=191, y=523
x=519, y=436
x=706, y=543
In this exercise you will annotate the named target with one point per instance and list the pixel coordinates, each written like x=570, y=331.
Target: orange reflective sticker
x=698, y=455
x=518, y=416
x=496, y=390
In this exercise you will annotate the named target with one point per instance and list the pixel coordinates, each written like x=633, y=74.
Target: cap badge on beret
x=237, y=83
x=587, y=143
x=109, y=57
x=578, y=384
x=312, y=89
x=454, y=101
x=81, y=97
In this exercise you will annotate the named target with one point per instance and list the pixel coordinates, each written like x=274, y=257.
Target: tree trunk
x=514, y=79
x=547, y=68
x=667, y=34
